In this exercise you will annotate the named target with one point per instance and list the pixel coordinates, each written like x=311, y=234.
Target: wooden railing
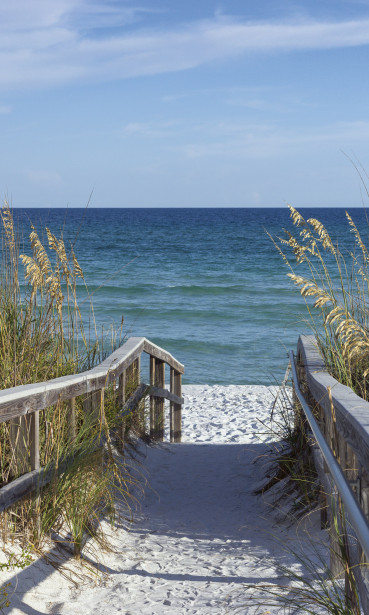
x=21, y=406
x=342, y=421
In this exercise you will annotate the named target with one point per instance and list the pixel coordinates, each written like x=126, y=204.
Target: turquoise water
x=205, y=284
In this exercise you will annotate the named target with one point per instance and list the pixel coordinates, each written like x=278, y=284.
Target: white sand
x=200, y=536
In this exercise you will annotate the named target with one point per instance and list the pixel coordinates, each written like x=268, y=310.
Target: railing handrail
x=352, y=412
x=352, y=508
x=121, y=368
x=25, y=399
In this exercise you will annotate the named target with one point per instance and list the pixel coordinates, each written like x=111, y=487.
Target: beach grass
x=308, y=587
x=312, y=585
x=43, y=336
x=289, y=464
x=334, y=283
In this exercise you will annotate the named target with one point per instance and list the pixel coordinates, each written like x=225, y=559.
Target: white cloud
x=45, y=43
x=5, y=109
x=237, y=140
x=23, y=15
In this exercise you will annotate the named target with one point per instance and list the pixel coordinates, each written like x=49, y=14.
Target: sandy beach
x=201, y=541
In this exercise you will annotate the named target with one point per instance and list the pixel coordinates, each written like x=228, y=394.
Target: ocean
x=205, y=284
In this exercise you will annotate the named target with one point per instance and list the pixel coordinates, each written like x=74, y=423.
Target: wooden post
x=87, y=403
x=18, y=438
x=337, y=527
x=34, y=440
x=25, y=443
x=133, y=377
x=34, y=447
x=137, y=372
x=121, y=400
x=97, y=402
x=175, y=409
x=365, y=506
x=157, y=379
x=72, y=419
x=336, y=564
x=323, y=504
x=152, y=399
x=141, y=406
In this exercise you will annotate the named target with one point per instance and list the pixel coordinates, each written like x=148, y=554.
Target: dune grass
x=309, y=585
x=42, y=336
x=335, y=286
x=288, y=461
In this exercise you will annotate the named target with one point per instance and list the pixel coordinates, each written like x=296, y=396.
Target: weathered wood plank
x=26, y=399
x=142, y=390
x=140, y=410
x=18, y=432
x=72, y=419
x=152, y=399
x=18, y=488
x=97, y=405
x=352, y=412
x=34, y=440
x=165, y=394
x=24, y=403
x=38, y=478
x=175, y=407
x=162, y=355
x=121, y=398
x=157, y=380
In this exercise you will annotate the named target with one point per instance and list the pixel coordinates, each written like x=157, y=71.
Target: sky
x=172, y=103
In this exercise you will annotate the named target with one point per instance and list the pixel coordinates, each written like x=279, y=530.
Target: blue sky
x=172, y=103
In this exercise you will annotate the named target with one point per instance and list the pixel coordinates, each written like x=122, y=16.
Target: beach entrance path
x=201, y=536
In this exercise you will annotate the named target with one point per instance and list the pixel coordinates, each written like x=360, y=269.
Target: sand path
x=201, y=535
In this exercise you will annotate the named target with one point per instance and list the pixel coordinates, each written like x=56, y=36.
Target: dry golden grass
x=335, y=286
x=42, y=337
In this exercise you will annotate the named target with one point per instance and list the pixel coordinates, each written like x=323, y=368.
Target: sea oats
x=53, y=242
x=323, y=234
x=297, y=218
x=339, y=290
x=308, y=237
x=297, y=248
x=39, y=254
x=336, y=313
x=77, y=269
x=33, y=271
x=63, y=260
x=8, y=225
x=359, y=241
x=308, y=288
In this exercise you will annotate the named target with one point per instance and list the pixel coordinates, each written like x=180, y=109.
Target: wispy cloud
x=5, y=109
x=46, y=43
x=243, y=140
x=280, y=100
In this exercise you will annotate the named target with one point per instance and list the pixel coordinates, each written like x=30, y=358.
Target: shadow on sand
x=198, y=493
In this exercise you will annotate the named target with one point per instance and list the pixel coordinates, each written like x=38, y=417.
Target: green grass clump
x=289, y=463
x=307, y=585
x=42, y=336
